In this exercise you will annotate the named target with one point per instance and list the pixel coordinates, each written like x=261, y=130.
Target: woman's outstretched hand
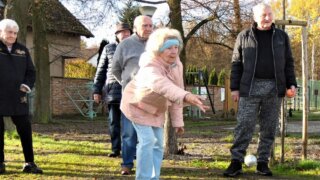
x=196, y=100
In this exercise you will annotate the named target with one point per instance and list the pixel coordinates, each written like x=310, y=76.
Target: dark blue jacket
x=104, y=80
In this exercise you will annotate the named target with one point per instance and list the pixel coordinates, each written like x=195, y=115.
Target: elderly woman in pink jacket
x=156, y=88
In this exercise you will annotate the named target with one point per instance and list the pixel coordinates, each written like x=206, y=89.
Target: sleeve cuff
x=27, y=87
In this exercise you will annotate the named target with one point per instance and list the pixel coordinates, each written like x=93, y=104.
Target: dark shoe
x=125, y=171
x=31, y=168
x=2, y=168
x=234, y=169
x=114, y=154
x=263, y=169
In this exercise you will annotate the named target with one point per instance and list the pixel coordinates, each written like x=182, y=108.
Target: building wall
x=61, y=46
x=60, y=102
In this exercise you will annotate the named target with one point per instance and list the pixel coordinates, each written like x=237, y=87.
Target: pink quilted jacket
x=157, y=87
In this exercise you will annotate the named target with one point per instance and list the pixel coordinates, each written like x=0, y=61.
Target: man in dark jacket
x=104, y=78
x=262, y=72
x=17, y=77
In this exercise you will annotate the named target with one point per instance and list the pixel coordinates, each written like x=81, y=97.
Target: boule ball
x=250, y=160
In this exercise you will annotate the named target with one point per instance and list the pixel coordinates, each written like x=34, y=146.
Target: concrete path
x=296, y=127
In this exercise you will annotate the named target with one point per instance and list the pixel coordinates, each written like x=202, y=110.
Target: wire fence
x=313, y=96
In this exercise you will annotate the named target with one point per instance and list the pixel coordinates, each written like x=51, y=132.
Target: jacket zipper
x=255, y=63
x=274, y=61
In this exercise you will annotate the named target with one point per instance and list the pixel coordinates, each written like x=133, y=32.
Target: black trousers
x=24, y=130
x=115, y=127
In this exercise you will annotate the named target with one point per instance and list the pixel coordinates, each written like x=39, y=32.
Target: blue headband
x=168, y=43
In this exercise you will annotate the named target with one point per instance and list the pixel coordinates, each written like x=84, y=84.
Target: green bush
x=191, y=78
x=188, y=75
x=213, y=77
x=205, y=75
x=221, y=77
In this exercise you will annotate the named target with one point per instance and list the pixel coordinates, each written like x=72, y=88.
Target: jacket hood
x=145, y=59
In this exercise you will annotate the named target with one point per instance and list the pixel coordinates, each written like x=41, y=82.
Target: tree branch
x=195, y=28
x=216, y=43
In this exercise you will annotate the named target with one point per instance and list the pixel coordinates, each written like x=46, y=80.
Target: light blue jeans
x=149, y=152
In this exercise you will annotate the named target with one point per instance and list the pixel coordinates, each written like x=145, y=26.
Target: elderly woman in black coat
x=17, y=77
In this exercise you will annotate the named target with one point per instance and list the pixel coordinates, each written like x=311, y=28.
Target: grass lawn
x=312, y=116
x=71, y=154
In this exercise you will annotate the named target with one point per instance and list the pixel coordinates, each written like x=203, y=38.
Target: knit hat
x=122, y=27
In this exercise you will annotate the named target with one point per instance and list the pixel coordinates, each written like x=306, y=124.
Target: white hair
x=158, y=37
x=138, y=21
x=259, y=7
x=8, y=23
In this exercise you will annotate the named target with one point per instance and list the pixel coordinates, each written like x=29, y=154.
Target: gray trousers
x=263, y=105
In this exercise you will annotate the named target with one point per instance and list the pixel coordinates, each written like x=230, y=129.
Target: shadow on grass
x=207, y=173
x=62, y=170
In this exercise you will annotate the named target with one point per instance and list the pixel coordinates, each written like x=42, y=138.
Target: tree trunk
x=8, y=124
x=41, y=57
x=170, y=138
x=237, y=18
x=18, y=10
x=176, y=23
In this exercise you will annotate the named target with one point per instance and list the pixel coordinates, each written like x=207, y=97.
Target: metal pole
x=205, y=81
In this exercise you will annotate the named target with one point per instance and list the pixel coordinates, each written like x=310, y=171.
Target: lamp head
x=147, y=10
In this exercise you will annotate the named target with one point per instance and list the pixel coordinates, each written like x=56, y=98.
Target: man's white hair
x=138, y=21
x=259, y=7
x=8, y=23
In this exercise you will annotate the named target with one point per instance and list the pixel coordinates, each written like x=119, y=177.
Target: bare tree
x=41, y=56
x=18, y=10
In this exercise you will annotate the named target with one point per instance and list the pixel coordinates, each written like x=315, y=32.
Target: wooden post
x=282, y=130
x=291, y=22
x=283, y=13
x=226, y=97
x=304, y=63
x=305, y=100
x=283, y=110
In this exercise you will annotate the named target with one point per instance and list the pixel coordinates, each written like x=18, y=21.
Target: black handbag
x=114, y=93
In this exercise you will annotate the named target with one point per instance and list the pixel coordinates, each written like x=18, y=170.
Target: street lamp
x=147, y=10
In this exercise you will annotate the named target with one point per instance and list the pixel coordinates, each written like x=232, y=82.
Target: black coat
x=16, y=68
x=104, y=79
x=244, y=60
